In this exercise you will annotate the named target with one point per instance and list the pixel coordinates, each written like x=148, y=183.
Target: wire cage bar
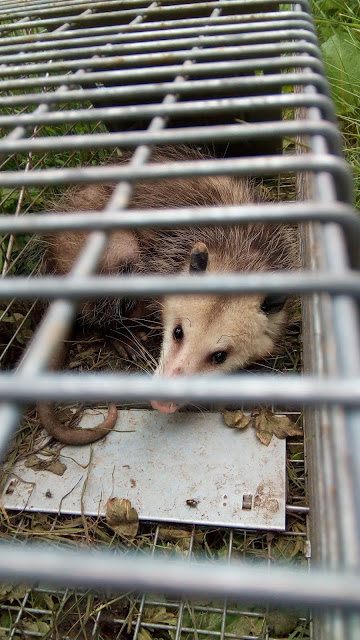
x=243, y=77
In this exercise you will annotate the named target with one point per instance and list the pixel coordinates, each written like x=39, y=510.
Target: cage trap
x=184, y=467
x=244, y=77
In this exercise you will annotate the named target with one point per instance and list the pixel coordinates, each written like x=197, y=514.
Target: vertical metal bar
x=224, y=612
x=178, y=630
x=143, y=597
x=336, y=510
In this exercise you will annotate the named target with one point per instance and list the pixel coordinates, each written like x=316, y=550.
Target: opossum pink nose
x=164, y=407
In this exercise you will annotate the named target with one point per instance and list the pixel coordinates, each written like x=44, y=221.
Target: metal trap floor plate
x=159, y=462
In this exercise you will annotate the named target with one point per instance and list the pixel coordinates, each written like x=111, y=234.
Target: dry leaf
x=122, y=518
x=174, y=534
x=53, y=465
x=159, y=615
x=236, y=419
x=57, y=467
x=11, y=592
x=268, y=424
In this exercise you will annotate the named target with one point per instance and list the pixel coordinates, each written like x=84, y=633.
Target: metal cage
x=243, y=76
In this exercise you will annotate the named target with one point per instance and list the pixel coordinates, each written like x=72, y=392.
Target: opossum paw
x=124, y=349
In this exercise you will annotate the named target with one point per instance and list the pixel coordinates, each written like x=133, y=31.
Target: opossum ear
x=273, y=303
x=198, y=258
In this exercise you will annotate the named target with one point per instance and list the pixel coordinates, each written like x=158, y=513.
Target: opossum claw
x=64, y=434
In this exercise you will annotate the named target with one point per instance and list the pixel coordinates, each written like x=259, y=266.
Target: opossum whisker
x=202, y=410
x=139, y=365
x=224, y=335
x=266, y=366
x=188, y=319
x=138, y=349
x=146, y=368
x=141, y=347
x=140, y=321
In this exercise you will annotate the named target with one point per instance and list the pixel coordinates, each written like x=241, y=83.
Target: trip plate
x=159, y=462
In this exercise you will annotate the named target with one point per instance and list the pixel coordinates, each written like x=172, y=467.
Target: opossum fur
x=196, y=329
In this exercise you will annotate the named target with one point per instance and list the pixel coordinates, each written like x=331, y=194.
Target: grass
x=338, y=27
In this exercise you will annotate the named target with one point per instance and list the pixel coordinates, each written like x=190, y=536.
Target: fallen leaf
x=159, y=615
x=122, y=518
x=173, y=534
x=53, y=465
x=268, y=424
x=11, y=592
x=144, y=634
x=282, y=623
x=57, y=467
x=35, y=627
x=236, y=419
x=180, y=536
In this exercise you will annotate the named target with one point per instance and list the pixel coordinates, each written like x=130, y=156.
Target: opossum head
x=216, y=334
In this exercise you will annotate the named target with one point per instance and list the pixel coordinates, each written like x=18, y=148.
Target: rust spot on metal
x=264, y=500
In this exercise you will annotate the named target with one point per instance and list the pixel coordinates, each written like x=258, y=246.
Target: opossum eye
x=218, y=357
x=178, y=333
x=273, y=303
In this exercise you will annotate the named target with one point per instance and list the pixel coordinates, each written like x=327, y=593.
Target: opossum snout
x=167, y=407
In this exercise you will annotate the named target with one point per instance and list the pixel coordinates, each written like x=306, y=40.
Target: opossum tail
x=62, y=432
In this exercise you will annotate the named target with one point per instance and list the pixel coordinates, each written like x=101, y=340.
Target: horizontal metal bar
x=61, y=46
x=60, y=7
x=127, y=14
x=164, y=57
x=173, y=577
x=292, y=508
x=186, y=217
x=155, y=626
x=19, y=4
x=179, y=135
x=288, y=212
x=185, y=87
x=125, y=49
x=252, y=166
x=294, y=390
x=287, y=282
x=203, y=608
x=119, y=76
x=185, y=109
x=128, y=139
x=138, y=28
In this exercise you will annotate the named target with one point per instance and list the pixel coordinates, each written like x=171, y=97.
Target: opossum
x=201, y=334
